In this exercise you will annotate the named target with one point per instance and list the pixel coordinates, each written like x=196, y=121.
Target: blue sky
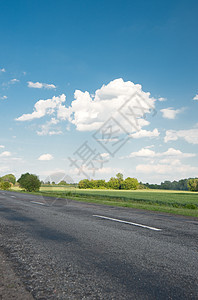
x=98, y=55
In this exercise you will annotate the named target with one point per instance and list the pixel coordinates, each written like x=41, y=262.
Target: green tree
x=130, y=184
x=29, y=182
x=119, y=177
x=113, y=183
x=5, y=185
x=84, y=184
x=10, y=178
x=193, y=184
x=63, y=182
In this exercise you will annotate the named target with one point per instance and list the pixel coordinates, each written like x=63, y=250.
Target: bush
x=29, y=182
x=193, y=184
x=10, y=178
x=5, y=185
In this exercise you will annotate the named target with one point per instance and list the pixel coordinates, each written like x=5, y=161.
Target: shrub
x=5, y=185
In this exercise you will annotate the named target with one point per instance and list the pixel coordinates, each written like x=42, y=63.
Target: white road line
x=13, y=196
x=37, y=202
x=126, y=222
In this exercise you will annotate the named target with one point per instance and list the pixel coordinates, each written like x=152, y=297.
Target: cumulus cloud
x=39, y=85
x=2, y=70
x=43, y=107
x=145, y=133
x=196, y=97
x=89, y=112
x=189, y=135
x=125, y=101
x=170, y=113
x=143, y=153
x=46, y=156
x=1, y=146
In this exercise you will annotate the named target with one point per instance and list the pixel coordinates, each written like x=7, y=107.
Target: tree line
x=180, y=185
x=31, y=183
x=115, y=183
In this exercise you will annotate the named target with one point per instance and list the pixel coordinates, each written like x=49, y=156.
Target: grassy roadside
x=174, y=202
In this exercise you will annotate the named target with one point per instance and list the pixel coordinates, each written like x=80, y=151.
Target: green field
x=177, y=202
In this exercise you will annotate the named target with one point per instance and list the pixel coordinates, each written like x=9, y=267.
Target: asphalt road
x=67, y=250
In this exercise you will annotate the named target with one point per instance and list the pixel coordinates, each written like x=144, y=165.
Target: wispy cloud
x=47, y=129
x=40, y=85
x=14, y=80
x=3, y=97
x=189, y=135
x=5, y=154
x=161, y=99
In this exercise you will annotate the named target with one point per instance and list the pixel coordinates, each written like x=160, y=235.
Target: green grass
x=176, y=202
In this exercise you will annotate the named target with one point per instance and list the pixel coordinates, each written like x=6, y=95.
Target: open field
x=177, y=202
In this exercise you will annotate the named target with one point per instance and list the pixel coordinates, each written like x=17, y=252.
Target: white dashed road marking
x=37, y=202
x=126, y=222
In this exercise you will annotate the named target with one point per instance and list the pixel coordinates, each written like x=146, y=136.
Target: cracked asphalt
x=60, y=250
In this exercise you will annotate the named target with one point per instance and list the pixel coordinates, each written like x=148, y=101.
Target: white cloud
x=105, y=155
x=5, y=154
x=143, y=153
x=89, y=113
x=171, y=152
x=1, y=146
x=11, y=82
x=43, y=107
x=39, y=85
x=170, y=113
x=185, y=170
x=145, y=133
x=14, y=80
x=47, y=129
x=175, y=152
x=161, y=99
x=189, y=135
x=3, y=97
x=46, y=156
x=170, y=161
x=2, y=70
x=196, y=97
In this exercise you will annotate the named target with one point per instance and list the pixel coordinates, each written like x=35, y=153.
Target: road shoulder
x=11, y=286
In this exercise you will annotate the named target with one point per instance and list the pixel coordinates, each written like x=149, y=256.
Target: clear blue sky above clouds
x=52, y=48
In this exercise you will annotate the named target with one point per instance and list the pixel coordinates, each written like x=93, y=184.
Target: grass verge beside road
x=175, y=202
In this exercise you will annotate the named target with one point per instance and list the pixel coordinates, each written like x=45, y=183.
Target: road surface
x=63, y=249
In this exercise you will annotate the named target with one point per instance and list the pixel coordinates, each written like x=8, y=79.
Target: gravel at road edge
x=11, y=286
